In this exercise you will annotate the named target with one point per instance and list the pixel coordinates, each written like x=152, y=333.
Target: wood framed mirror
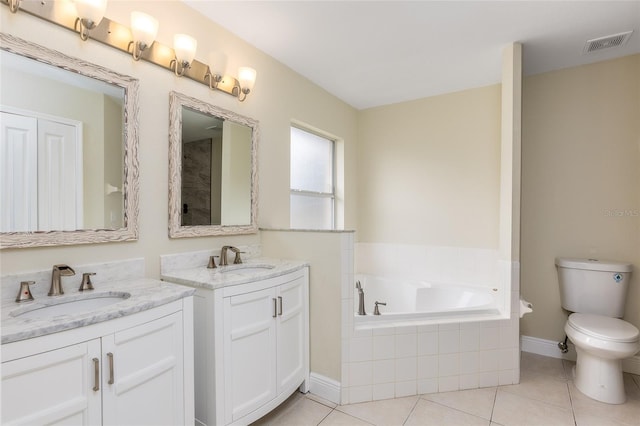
x=69, y=149
x=213, y=183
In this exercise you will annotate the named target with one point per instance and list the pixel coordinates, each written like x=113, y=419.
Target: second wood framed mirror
x=212, y=170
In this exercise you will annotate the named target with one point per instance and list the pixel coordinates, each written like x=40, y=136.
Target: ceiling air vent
x=607, y=42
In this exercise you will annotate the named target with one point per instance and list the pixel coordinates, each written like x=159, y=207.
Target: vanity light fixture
x=83, y=16
x=144, y=29
x=184, y=47
x=90, y=13
x=217, y=68
x=14, y=5
x=246, y=79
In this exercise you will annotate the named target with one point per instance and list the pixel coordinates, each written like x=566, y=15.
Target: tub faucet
x=361, y=310
x=56, y=284
x=376, y=311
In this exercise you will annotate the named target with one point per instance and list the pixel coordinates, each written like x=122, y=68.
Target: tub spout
x=361, y=310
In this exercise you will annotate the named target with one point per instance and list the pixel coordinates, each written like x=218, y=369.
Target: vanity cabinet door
x=143, y=374
x=249, y=352
x=291, y=334
x=56, y=387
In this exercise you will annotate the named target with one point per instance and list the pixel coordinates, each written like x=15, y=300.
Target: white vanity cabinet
x=52, y=387
x=252, y=347
x=134, y=370
x=143, y=377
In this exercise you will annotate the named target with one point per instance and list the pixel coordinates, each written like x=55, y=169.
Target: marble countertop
x=225, y=276
x=144, y=294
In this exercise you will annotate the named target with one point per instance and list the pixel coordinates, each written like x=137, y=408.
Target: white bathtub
x=419, y=302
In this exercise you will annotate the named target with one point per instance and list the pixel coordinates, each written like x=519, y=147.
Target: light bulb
x=246, y=78
x=218, y=63
x=91, y=11
x=144, y=28
x=185, y=48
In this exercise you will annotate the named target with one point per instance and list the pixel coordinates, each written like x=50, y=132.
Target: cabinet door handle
x=280, y=302
x=96, y=374
x=110, y=358
x=275, y=308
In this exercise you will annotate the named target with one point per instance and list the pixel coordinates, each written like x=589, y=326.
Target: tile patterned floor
x=546, y=396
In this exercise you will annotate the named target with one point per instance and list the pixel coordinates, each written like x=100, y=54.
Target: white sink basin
x=245, y=269
x=70, y=306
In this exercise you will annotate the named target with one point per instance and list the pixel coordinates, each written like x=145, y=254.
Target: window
x=312, y=181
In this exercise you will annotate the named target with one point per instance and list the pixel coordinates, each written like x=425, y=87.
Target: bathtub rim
x=488, y=312
x=371, y=322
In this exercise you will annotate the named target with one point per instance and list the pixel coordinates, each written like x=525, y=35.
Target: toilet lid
x=606, y=328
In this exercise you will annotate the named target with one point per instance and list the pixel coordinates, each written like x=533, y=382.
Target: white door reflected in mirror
x=42, y=182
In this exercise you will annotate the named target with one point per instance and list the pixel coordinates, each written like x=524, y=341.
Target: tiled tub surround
x=435, y=356
x=122, y=276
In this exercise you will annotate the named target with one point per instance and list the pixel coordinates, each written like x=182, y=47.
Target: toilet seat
x=605, y=328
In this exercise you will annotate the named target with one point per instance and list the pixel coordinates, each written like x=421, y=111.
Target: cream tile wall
x=448, y=265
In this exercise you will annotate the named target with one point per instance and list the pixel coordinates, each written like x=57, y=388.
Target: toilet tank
x=592, y=286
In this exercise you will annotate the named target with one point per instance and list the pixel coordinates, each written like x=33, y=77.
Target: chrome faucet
x=223, y=255
x=56, y=284
x=361, y=310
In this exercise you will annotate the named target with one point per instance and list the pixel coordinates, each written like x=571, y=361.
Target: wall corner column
x=510, y=158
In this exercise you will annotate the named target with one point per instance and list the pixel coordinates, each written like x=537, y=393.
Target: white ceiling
x=371, y=53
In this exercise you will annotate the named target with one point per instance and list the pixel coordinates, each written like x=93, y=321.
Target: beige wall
x=113, y=170
x=581, y=168
x=429, y=171
x=324, y=251
x=280, y=95
x=510, y=155
x=236, y=174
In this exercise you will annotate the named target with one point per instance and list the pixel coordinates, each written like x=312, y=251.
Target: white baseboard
x=546, y=347
x=550, y=348
x=324, y=387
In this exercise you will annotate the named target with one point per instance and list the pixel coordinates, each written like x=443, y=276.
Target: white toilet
x=595, y=291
